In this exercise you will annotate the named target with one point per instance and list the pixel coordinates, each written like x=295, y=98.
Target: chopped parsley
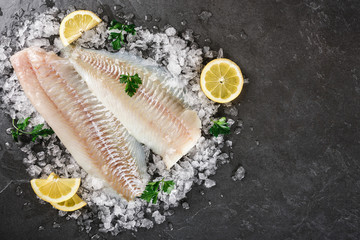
x=220, y=127
x=22, y=124
x=118, y=37
x=132, y=83
x=153, y=189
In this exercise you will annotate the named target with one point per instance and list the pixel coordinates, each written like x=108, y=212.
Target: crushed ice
x=239, y=174
x=180, y=55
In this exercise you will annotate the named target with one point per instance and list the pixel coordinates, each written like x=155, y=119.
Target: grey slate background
x=302, y=105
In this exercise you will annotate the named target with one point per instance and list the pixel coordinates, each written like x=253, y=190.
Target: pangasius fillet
x=96, y=139
x=154, y=115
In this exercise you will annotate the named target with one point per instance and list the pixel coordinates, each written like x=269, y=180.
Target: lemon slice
x=55, y=189
x=71, y=204
x=74, y=24
x=221, y=80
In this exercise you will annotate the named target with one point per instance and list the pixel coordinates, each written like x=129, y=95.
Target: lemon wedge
x=221, y=80
x=55, y=189
x=74, y=24
x=71, y=204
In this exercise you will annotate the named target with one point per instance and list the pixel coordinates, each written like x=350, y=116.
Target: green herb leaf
x=20, y=126
x=118, y=37
x=38, y=131
x=116, y=44
x=45, y=132
x=37, y=128
x=132, y=83
x=130, y=29
x=15, y=134
x=115, y=25
x=113, y=35
x=148, y=195
x=155, y=197
x=220, y=127
x=23, y=123
x=153, y=189
x=168, y=186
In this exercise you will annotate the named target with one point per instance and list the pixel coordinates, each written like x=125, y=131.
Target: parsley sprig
x=118, y=37
x=132, y=83
x=37, y=131
x=153, y=189
x=220, y=127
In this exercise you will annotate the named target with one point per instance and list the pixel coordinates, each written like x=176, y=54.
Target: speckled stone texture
x=302, y=106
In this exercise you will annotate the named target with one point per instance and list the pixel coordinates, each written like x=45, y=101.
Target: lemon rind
x=69, y=209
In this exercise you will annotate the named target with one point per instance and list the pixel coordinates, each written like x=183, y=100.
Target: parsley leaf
x=168, y=186
x=21, y=125
x=15, y=134
x=153, y=189
x=130, y=29
x=149, y=196
x=132, y=83
x=220, y=127
x=118, y=37
x=38, y=131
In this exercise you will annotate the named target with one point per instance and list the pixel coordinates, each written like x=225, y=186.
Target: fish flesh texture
x=155, y=116
x=96, y=139
x=93, y=135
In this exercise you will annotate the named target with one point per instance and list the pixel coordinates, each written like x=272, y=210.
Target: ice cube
x=158, y=218
x=232, y=111
x=209, y=183
x=205, y=16
x=239, y=174
x=186, y=205
x=170, y=31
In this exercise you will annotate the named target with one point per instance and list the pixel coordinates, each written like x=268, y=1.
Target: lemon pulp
x=55, y=189
x=221, y=80
x=74, y=24
x=71, y=204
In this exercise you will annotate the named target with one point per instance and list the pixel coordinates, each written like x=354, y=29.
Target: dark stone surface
x=302, y=105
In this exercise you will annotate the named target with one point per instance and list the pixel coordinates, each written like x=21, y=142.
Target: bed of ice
x=179, y=53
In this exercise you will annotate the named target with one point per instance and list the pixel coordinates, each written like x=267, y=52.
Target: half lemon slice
x=221, y=80
x=74, y=24
x=71, y=204
x=55, y=189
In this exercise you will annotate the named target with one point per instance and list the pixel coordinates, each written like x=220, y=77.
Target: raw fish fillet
x=154, y=115
x=96, y=139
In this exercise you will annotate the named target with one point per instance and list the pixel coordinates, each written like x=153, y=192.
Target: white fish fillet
x=154, y=116
x=96, y=139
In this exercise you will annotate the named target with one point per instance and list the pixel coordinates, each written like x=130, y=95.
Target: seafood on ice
x=82, y=99
x=155, y=115
x=97, y=140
